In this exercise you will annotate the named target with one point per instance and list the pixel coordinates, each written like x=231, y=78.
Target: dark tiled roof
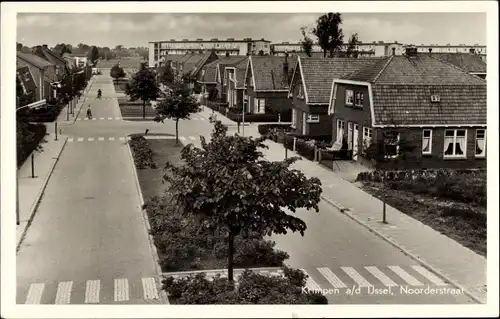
x=425, y=70
x=241, y=67
x=229, y=61
x=411, y=104
x=318, y=74
x=468, y=62
x=33, y=59
x=49, y=55
x=210, y=72
x=199, y=64
x=175, y=57
x=268, y=72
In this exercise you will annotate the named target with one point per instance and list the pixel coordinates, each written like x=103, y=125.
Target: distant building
x=158, y=50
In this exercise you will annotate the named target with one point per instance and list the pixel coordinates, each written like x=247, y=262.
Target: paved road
x=88, y=241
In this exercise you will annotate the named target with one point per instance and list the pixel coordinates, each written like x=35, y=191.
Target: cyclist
x=99, y=93
x=89, y=112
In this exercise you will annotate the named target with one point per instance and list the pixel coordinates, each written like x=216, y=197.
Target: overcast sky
x=137, y=29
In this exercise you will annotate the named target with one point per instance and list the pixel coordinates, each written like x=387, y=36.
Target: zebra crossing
x=127, y=138
x=93, y=292
x=84, y=118
x=323, y=278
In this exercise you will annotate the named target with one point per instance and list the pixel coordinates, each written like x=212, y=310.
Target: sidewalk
x=63, y=116
x=31, y=189
x=442, y=255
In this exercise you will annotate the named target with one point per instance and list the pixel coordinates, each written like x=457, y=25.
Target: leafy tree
x=329, y=33
x=306, y=42
x=229, y=187
x=94, y=55
x=119, y=47
x=261, y=53
x=143, y=86
x=178, y=104
x=351, y=46
x=19, y=46
x=166, y=75
x=117, y=72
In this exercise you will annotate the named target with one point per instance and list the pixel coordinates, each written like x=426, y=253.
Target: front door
x=349, y=135
x=304, y=122
x=355, y=142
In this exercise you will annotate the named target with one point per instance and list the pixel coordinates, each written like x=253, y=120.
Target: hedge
x=143, y=155
x=29, y=136
x=46, y=114
x=249, y=117
x=265, y=129
x=252, y=288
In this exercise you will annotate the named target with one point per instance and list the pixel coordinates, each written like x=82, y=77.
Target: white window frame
x=430, y=141
x=340, y=130
x=261, y=108
x=477, y=139
x=397, y=147
x=361, y=99
x=294, y=118
x=455, y=131
x=347, y=95
x=313, y=118
x=367, y=136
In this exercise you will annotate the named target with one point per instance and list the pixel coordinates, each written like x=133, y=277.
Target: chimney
x=411, y=52
x=45, y=46
x=393, y=51
x=285, y=71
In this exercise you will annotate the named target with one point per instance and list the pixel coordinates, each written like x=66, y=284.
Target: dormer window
x=435, y=98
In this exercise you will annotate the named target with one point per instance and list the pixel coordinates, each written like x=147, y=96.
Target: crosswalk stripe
x=102, y=118
x=80, y=139
x=192, y=138
x=427, y=274
x=182, y=138
x=110, y=118
x=311, y=284
x=362, y=282
x=117, y=118
x=121, y=289
x=92, y=291
x=111, y=138
x=331, y=277
x=202, y=119
x=122, y=138
x=381, y=276
x=194, y=118
x=85, y=119
x=101, y=138
x=405, y=276
x=35, y=294
x=63, y=294
x=91, y=139
x=149, y=287
x=71, y=139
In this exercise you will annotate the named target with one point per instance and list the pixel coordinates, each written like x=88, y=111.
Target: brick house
x=207, y=78
x=310, y=92
x=43, y=72
x=211, y=74
x=222, y=82
x=193, y=67
x=48, y=55
x=267, y=80
x=234, y=88
x=414, y=111
x=25, y=92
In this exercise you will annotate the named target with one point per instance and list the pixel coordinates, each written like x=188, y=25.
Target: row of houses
x=437, y=101
x=41, y=71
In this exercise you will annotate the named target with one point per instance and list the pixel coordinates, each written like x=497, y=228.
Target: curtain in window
x=460, y=146
x=480, y=146
x=448, y=144
x=426, y=143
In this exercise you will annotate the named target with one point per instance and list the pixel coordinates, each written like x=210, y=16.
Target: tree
x=143, y=86
x=329, y=33
x=19, y=46
x=166, y=75
x=229, y=187
x=351, y=46
x=306, y=42
x=117, y=72
x=94, y=55
x=119, y=47
x=178, y=104
x=261, y=53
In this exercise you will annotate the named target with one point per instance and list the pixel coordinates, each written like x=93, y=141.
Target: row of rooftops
x=213, y=40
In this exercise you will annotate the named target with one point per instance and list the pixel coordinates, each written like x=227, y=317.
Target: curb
x=83, y=102
x=154, y=252
x=38, y=199
x=346, y=211
x=222, y=270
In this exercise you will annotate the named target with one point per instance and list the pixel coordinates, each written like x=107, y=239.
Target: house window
x=455, y=143
x=261, y=105
x=294, y=118
x=349, y=97
x=480, y=143
x=340, y=130
x=313, y=118
x=359, y=99
x=367, y=137
x=391, y=144
x=426, y=141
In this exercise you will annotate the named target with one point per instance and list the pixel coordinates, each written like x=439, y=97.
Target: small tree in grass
x=229, y=187
x=117, y=72
x=178, y=104
x=143, y=86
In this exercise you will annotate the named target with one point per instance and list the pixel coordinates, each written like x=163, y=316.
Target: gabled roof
x=470, y=63
x=231, y=60
x=267, y=72
x=402, y=87
x=317, y=74
x=210, y=75
x=240, y=69
x=191, y=61
x=201, y=62
x=34, y=60
x=48, y=55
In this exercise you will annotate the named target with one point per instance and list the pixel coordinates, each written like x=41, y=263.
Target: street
x=88, y=241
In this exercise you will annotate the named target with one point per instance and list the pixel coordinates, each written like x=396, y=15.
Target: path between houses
x=440, y=254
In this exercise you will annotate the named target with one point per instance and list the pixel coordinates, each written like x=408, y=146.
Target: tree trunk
x=230, y=255
x=176, y=131
x=324, y=53
x=143, y=109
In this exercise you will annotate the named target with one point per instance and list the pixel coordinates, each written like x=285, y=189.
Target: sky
x=137, y=29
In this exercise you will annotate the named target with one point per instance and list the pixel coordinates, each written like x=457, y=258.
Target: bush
x=305, y=149
x=252, y=289
x=29, y=136
x=182, y=244
x=143, y=156
x=49, y=113
x=267, y=128
x=268, y=117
